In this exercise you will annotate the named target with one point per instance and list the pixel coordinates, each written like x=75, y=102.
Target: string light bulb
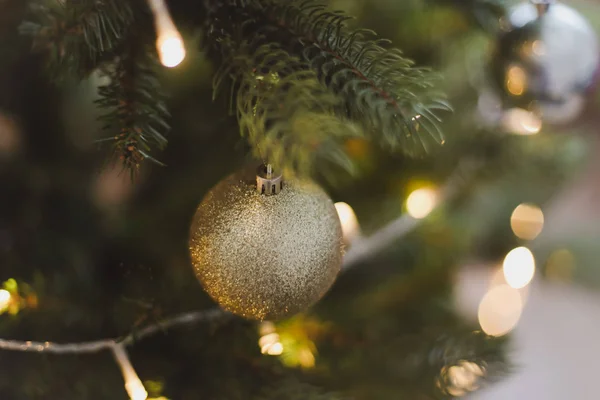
x=169, y=42
x=519, y=267
x=350, y=227
x=133, y=385
x=5, y=298
x=527, y=221
x=500, y=310
x=521, y=122
x=269, y=342
x=421, y=202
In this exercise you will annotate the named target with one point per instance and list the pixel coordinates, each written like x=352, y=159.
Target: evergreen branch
x=77, y=35
x=381, y=89
x=137, y=111
x=480, y=356
x=286, y=113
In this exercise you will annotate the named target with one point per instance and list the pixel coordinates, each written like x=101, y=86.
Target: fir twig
x=285, y=112
x=381, y=89
x=77, y=35
x=362, y=82
x=283, y=109
x=137, y=111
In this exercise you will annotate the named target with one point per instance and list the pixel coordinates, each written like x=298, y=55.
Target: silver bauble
x=546, y=60
x=266, y=257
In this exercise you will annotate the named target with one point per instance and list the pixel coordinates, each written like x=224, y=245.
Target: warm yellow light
x=561, y=265
x=306, y=358
x=169, y=43
x=500, y=310
x=519, y=267
x=275, y=350
x=463, y=378
x=498, y=279
x=268, y=340
x=170, y=49
x=421, y=202
x=516, y=80
x=521, y=122
x=538, y=48
x=350, y=227
x=4, y=299
x=527, y=221
x=10, y=138
x=135, y=389
x=266, y=327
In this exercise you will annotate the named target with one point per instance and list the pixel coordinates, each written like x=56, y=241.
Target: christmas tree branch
x=301, y=80
x=77, y=35
x=137, y=113
x=381, y=89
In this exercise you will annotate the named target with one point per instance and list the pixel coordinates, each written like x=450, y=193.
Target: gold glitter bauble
x=266, y=257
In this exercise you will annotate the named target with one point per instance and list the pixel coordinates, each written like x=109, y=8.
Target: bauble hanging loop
x=267, y=181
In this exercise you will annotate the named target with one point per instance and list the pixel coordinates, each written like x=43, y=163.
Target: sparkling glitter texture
x=266, y=257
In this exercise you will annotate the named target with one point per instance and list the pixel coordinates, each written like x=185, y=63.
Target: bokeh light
x=171, y=49
x=421, y=202
x=10, y=136
x=516, y=80
x=5, y=298
x=527, y=221
x=462, y=378
x=500, y=310
x=269, y=341
x=561, y=265
x=519, y=267
x=135, y=389
x=521, y=122
x=113, y=186
x=275, y=349
x=306, y=358
x=497, y=278
x=350, y=227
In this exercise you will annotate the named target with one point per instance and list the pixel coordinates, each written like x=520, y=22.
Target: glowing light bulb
x=527, y=221
x=421, y=202
x=135, y=389
x=5, y=297
x=275, y=350
x=463, y=378
x=521, y=122
x=169, y=43
x=519, y=267
x=133, y=385
x=268, y=340
x=170, y=49
x=350, y=227
x=498, y=278
x=516, y=80
x=500, y=310
x=306, y=358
